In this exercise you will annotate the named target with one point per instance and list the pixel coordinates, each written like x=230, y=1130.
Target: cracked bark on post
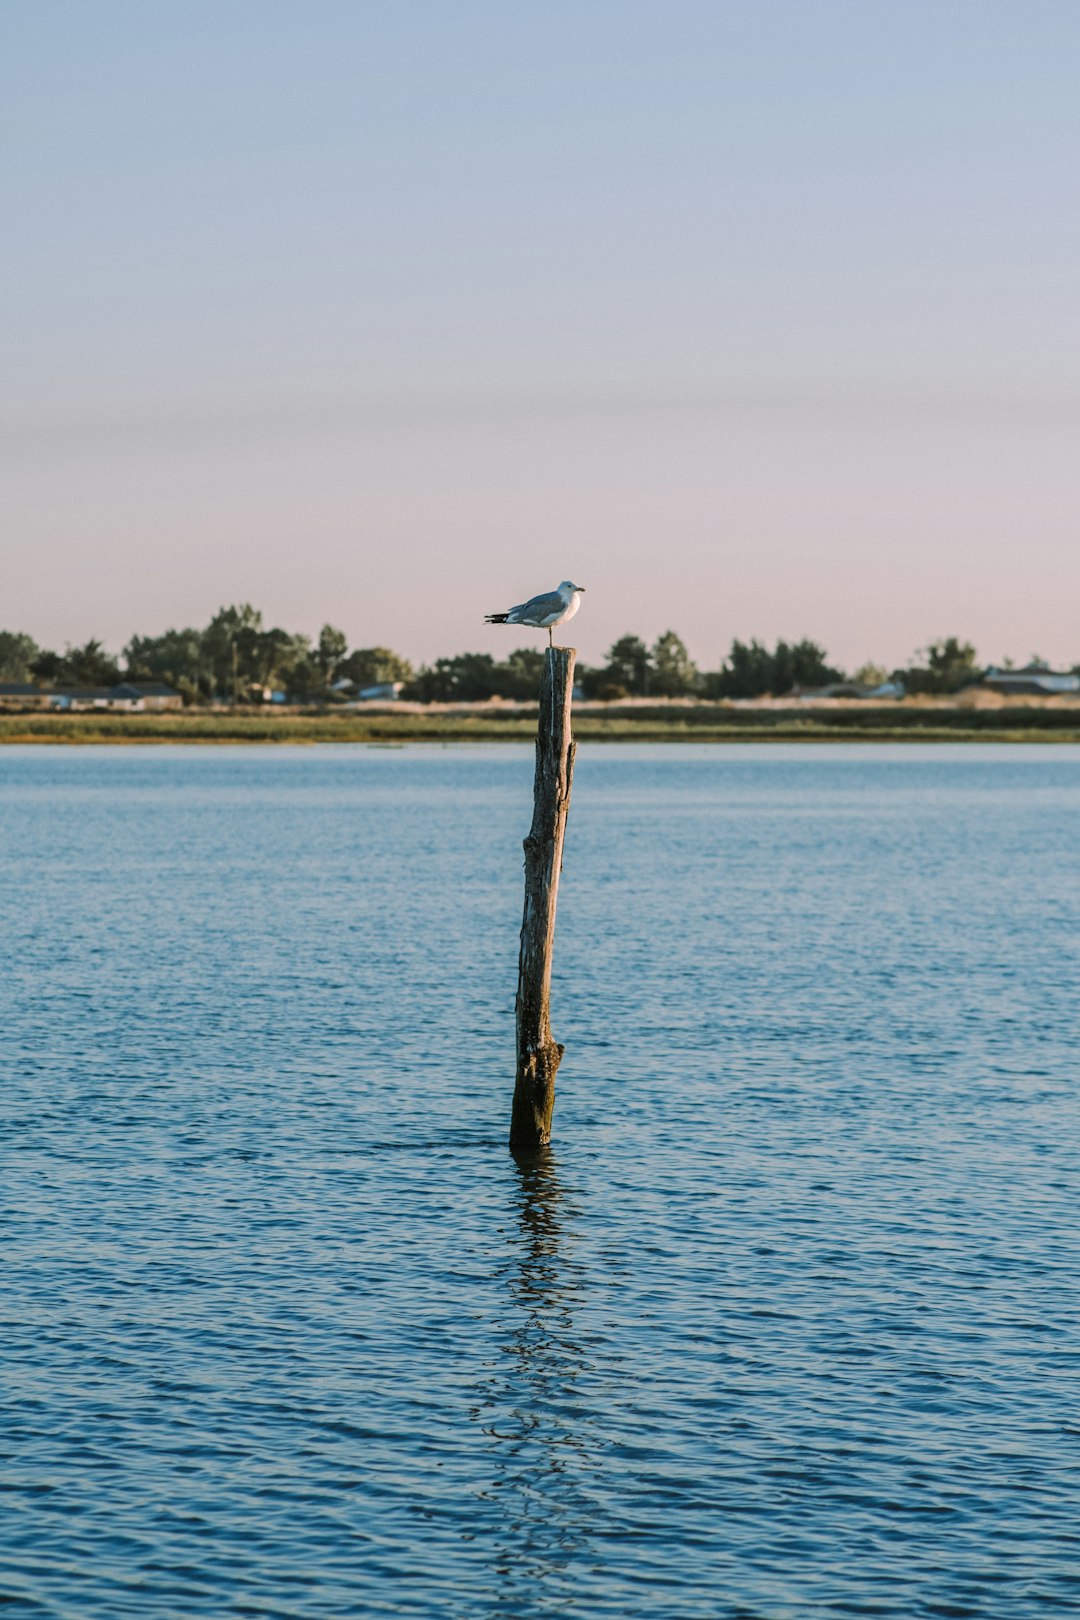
x=538, y=1054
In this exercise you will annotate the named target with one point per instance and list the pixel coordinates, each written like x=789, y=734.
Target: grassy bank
x=699, y=723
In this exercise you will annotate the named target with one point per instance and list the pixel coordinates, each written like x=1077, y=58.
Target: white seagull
x=543, y=612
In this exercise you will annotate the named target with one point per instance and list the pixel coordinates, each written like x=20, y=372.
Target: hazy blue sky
x=757, y=318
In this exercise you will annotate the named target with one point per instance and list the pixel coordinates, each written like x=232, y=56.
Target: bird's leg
x=550, y=641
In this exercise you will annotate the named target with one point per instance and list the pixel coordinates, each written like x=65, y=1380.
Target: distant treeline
x=238, y=659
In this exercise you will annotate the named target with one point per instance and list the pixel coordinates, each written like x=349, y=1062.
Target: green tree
x=17, y=655
x=298, y=671
x=801, y=664
x=746, y=672
x=674, y=674
x=519, y=677
x=629, y=665
x=375, y=666
x=751, y=670
x=88, y=665
x=227, y=644
x=265, y=653
x=468, y=678
x=333, y=645
x=176, y=657
x=946, y=666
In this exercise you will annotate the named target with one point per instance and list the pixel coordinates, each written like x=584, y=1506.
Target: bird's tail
x=496, y=618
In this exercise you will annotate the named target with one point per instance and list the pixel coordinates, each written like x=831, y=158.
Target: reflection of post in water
x=538, y=1218
x=538, y=1423
x=542, y=1281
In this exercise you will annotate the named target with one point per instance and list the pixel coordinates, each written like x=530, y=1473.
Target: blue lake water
x=785, y=1324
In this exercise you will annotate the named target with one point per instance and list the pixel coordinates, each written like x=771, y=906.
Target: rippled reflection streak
x=531, y=1413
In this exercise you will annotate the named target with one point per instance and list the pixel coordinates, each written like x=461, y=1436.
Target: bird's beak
x=579, y=587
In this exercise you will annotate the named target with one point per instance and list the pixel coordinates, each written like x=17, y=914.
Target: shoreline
x=701, y=724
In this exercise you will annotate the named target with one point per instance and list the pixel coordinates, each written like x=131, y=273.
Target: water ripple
x=785, y=1324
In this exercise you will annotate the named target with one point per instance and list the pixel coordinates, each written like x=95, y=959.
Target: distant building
x=77, y=699
x=1034, y=681
x=22, y=695
x=379, y=692
x=885, y=691
x=127, y=697
x=155, y=694
x=384, y=692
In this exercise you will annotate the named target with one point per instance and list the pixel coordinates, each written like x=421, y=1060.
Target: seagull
x=543, y=612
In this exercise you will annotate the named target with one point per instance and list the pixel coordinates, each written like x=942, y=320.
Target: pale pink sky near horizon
x=760, y=321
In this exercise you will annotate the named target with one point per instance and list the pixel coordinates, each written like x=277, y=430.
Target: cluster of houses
x=1032, y=681
x=135, y=697
x=1035, y=681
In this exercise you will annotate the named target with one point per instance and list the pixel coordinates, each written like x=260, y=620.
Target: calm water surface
x=786, y=1324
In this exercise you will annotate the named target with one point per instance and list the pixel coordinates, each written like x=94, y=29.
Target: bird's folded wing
x=540, y=606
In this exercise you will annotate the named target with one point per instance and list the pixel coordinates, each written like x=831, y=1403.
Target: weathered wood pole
x=537, y=1054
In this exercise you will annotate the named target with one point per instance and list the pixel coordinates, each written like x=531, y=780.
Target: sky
x=757, y=319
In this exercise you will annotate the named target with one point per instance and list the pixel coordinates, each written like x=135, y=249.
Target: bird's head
x=567, y=588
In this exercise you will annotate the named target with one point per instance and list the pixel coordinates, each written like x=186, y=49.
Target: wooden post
x=537, y=1054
